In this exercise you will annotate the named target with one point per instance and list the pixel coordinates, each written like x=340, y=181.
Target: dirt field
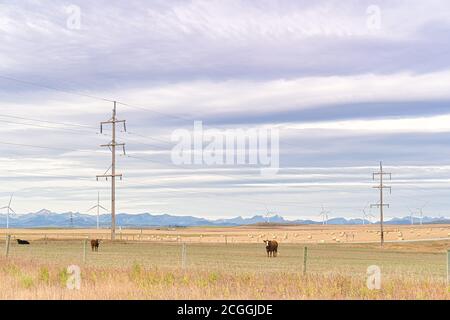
x=150, y=266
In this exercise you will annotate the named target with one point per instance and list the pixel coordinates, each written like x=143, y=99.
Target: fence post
x=84, y=250
x=226, y=239
x=8, y=242
x=448, y=267
x=305, y=259
x=183, y=256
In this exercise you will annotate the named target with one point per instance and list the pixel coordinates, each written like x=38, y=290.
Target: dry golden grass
x=146, y=270
x=24, y=279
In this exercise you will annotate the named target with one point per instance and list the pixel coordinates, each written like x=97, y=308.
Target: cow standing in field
x=23, y=242
x=271, y=248
x=95, y=244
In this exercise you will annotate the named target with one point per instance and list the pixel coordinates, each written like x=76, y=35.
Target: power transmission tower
x=9, y=210
x=71, y=220
x=98, y=207
x=381, y=205
x=112, y=146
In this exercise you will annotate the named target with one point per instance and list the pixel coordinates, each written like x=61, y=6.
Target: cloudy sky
x=346, y=84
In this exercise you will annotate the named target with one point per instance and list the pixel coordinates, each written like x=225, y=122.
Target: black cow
x=22, y=242
x=271, y=248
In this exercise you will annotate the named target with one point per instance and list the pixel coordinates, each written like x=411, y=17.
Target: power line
x=30, y=83
x=381, y=204
x=182, y=167
x=44, y=175
x=47, y=121
x=150, y=138
x=46, y=147
x=34, y=84
x=156, y=147
x=112, y=146
x=46, y=127
x=155, y=111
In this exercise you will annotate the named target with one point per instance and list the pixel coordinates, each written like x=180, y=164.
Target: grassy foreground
x=216, y=271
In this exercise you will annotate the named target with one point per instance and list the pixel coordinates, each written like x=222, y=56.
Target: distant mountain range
x=46, y=218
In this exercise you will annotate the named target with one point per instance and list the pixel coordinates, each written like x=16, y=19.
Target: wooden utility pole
x=112, y=146
x=381, y=205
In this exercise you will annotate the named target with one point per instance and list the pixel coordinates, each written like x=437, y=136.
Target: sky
x=344, y=84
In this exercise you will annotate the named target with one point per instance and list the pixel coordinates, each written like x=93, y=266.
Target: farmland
x=147, y=264
x=310, y=234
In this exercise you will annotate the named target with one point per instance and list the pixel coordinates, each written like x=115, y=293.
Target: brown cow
x=95, y=244
x=271, y=248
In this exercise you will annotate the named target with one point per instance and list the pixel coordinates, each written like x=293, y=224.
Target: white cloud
x=206, y=97
x=432, y=124
x=218, y=60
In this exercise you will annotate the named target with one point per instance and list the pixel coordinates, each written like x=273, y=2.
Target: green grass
x=240, y=257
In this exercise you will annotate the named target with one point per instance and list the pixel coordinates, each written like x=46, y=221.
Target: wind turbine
x=411, y=216
x=8, y=207
x=268, y=214
x=421, y=212
x=324, y=215
x=367, y=215
x=98, y=207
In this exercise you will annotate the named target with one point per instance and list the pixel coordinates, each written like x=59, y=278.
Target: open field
x=248, y=234
x=152, y=269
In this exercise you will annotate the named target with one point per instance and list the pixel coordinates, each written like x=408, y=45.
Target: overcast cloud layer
x=348, y=84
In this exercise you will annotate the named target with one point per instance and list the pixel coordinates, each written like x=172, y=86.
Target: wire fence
x=413, y=262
